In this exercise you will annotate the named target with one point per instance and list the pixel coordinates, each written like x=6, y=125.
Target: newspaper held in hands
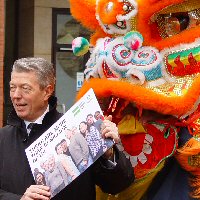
x=69, y=146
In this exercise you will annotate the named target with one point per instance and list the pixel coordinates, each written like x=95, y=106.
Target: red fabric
x=161, y=146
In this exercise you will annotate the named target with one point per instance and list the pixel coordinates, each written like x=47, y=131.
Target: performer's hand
x=34, y=192
x=109, y=129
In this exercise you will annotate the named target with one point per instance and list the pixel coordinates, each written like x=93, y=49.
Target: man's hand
x=109, y=129
x=37, y=192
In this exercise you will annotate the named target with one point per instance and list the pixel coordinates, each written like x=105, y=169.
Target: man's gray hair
x=43, y=69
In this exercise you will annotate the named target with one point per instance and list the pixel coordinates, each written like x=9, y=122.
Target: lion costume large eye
x=127, y=7
x=171, y=24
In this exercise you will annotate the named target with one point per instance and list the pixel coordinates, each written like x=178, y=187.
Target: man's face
x=83, y=128
x=51, y=163
x=90, y=120
x=64, y=146
x=68, y=134
x=28, y=99
x=59, y=149
x=39, y=178
x=44, y=165
x=74, y=130
x=97, y=115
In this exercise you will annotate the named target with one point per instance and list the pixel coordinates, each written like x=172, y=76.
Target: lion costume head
x=146, y=53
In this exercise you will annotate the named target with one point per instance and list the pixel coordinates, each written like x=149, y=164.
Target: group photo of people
x=72, y=153
x=57, y=169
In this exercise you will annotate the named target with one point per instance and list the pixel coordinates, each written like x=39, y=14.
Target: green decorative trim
x=167, y=133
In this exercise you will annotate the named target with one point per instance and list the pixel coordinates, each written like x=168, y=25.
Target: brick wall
x=1, y=59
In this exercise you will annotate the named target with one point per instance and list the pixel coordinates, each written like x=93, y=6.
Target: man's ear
x=48, y=91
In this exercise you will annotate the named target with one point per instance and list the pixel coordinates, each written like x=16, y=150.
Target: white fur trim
x=180, y=47
x=132, y=73
x=148, y=50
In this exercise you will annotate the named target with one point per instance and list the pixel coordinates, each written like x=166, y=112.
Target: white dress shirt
x=37, y=121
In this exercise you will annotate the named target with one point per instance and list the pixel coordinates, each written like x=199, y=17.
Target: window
x=65, y=29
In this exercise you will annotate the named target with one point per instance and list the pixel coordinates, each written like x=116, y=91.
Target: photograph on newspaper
x=69, y=146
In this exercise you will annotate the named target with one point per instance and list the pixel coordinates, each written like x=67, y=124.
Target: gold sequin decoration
x=197, y=136
x=133, y=23
x=161, y=26
x=178, y=88
x=198, y=122
x=194, y=160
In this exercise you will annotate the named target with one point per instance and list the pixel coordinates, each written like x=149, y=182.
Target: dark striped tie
x=30, y=126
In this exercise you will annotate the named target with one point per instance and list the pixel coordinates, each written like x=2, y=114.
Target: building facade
x=40, y=28
x=2, y=30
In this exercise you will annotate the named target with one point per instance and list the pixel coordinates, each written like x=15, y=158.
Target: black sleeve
x=115, y=179
x=4, y=195
x=9, y=196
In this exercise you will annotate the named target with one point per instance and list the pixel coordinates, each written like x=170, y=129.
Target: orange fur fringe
x=144, y=97
x=84, y=12
x=96, y=36
x=191, y=148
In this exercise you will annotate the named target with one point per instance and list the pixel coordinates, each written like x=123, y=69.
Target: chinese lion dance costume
x=144, y=68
